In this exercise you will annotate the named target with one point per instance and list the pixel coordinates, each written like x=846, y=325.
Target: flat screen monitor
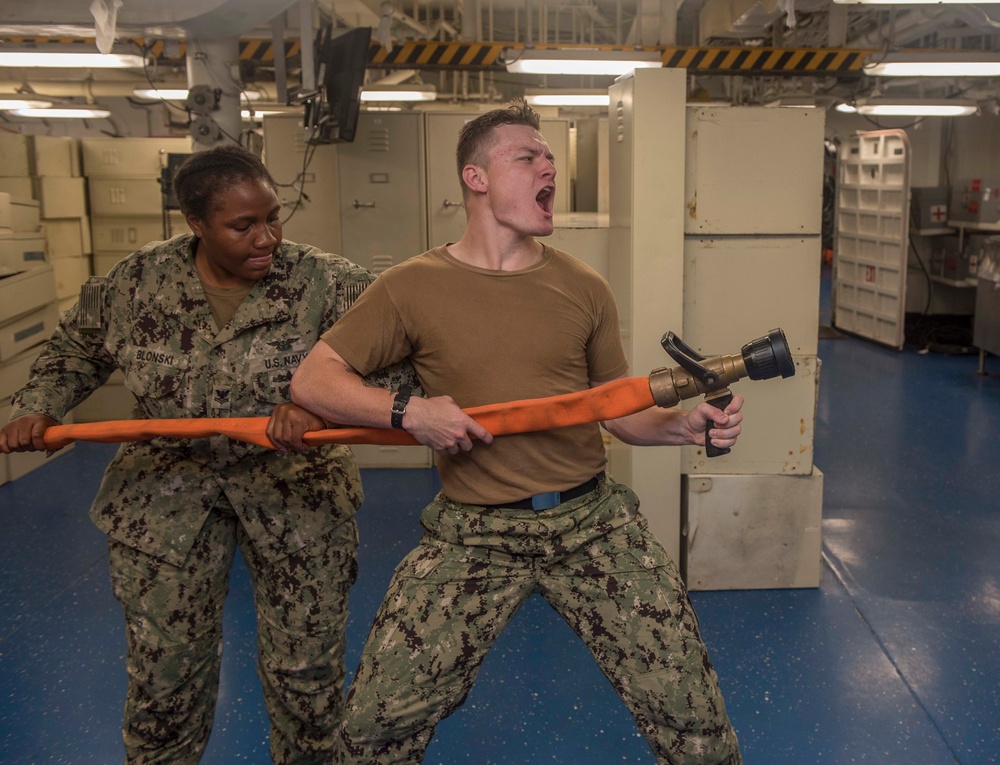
x=341, y=62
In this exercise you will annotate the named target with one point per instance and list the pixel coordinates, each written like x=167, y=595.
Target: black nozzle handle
x=719, y=402
x=689, y=359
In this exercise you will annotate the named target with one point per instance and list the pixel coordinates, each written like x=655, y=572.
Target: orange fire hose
x=605, y=402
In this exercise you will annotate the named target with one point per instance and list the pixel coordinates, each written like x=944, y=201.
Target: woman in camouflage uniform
x=213, y=325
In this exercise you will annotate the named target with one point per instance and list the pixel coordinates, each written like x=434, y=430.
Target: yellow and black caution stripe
x=422, y=54
x=766, y=60
x=469, y=55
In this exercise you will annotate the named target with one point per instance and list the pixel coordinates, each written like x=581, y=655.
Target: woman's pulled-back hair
x=205, y=174
x=476, y=137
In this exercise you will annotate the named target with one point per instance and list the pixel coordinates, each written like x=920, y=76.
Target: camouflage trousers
x=173, y=620
x=597, y=565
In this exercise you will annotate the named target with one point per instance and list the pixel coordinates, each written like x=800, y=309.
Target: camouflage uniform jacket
x=157, y=328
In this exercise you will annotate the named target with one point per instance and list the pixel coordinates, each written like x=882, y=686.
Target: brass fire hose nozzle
x=669, y=386
x=760, y=359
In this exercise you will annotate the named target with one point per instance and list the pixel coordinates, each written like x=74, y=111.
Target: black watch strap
x=399, y=405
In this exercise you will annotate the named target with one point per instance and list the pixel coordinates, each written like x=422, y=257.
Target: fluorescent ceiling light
x=166, y=94
x=63, y=113
x=916, y=107
x=845, y=108
x=17, y=101
x=376, y=93
x=70, y=59
x=264, y=112
x=579, y=61
x=568, y=98
x=938, y=63
x=181, y=94
x=908, y=2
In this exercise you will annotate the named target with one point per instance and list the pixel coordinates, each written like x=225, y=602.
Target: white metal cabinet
x=753, y=170
x=737, y=288
x=584, y=236
x=779, y=427
x=752, y=532
x=646, y=237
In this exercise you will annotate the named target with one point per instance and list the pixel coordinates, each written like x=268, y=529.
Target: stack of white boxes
x=28, y=310
x=126, y=208
x=752, y=518
x=126, y=196
x=61, y=192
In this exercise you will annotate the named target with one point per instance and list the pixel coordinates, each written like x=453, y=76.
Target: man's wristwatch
x=399, y=405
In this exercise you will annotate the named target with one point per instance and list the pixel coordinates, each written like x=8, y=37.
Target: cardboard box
x=70, y=274
x=6, y=219
x=125, y=196
x=13, y=154
x=129, y=157
x=20, y=252
x=25, y=216
x=28, y=331
x=61, y=197
x=55, y=155
x=26, y=291
x=67, y=237
x=18, y=187
x=118, y=234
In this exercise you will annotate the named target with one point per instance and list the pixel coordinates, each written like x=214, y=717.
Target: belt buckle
x=546, y=501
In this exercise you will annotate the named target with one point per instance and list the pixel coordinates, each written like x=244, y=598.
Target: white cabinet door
x=753, y=170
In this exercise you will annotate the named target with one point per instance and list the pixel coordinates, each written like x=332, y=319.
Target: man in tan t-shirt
x=498, y=316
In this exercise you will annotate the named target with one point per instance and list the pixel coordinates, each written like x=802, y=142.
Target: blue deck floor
x=893, y=660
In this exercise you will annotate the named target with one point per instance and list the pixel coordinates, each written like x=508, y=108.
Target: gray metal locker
x=307, y=183
x=382, y=199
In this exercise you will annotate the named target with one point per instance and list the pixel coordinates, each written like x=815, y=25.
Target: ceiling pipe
x=913, y=24
x=975, y=16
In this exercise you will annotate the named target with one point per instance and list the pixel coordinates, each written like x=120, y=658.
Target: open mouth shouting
x=545, y=198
